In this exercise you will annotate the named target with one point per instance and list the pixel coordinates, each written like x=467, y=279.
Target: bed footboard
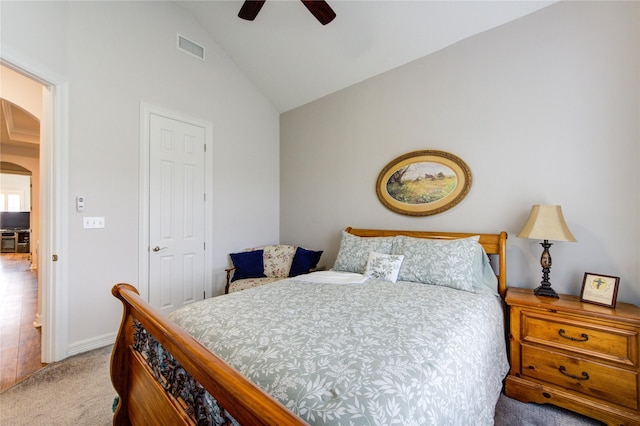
x=145, y=398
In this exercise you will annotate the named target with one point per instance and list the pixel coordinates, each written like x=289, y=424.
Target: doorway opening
x=37, y=94
x=20, y=291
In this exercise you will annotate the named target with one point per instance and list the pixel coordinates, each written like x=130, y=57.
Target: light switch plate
x=80, y=203
x=92, y=222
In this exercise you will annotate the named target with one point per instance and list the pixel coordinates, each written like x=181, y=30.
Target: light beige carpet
x=78, y=391
x=73, y=392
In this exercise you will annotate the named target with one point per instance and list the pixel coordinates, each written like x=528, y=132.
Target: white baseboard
x=91, y=344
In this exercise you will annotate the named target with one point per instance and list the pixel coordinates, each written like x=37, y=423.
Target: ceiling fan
x=318, y=8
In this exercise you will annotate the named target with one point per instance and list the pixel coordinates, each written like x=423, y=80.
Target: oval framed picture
x=423, y=183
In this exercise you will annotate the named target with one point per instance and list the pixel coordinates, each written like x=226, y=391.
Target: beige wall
x=544, y=109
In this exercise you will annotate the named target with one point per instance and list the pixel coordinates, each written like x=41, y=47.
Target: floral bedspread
x=376, y=353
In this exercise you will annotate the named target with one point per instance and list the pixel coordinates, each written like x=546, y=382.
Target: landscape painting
x=423, y=183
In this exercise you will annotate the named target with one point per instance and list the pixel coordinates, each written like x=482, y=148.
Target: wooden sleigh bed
x=163, y=375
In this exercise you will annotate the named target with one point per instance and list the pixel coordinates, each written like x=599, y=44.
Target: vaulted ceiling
x=17, y=126
x=293, y=59
x=20, y=111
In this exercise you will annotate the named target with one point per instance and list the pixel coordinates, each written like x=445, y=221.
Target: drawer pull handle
x=583, y=337
x=563, y=370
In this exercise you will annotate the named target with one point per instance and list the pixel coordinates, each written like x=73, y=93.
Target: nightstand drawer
x=613, y=344
x=598, y=380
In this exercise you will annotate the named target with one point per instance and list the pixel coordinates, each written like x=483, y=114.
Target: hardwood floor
x=19, y=339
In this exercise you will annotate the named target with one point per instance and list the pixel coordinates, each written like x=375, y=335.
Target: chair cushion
x=277, y=260
x=250, y=283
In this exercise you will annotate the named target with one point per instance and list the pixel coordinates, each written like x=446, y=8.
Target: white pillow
x=384, y=267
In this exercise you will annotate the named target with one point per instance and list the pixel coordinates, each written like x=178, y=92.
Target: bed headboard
x=494, y=244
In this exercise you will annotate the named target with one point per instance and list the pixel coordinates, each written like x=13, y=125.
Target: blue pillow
x=303, y=261
x=248, y=264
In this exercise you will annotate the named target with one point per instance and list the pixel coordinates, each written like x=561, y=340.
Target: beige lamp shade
x=546, y=223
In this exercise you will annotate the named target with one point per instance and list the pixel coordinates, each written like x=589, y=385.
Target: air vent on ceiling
x=190, y=47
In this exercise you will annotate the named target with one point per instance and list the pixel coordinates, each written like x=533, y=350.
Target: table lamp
x=546, y=223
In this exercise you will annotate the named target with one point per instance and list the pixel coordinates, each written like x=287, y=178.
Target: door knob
x=156, y=248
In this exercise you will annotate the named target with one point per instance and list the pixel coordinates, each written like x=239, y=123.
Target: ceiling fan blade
x=250, y=9
x=321, y=10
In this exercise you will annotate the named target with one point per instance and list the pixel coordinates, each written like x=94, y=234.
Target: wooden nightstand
x=576, y=355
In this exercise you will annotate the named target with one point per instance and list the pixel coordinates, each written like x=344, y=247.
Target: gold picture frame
x=599, y=289
x=423, y=183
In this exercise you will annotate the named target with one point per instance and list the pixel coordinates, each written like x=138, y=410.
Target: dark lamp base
x=546, y=291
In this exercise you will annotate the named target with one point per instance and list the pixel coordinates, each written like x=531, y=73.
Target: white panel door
x=176, y=212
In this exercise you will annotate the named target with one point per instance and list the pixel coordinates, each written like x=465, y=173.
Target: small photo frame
x=599, y=289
